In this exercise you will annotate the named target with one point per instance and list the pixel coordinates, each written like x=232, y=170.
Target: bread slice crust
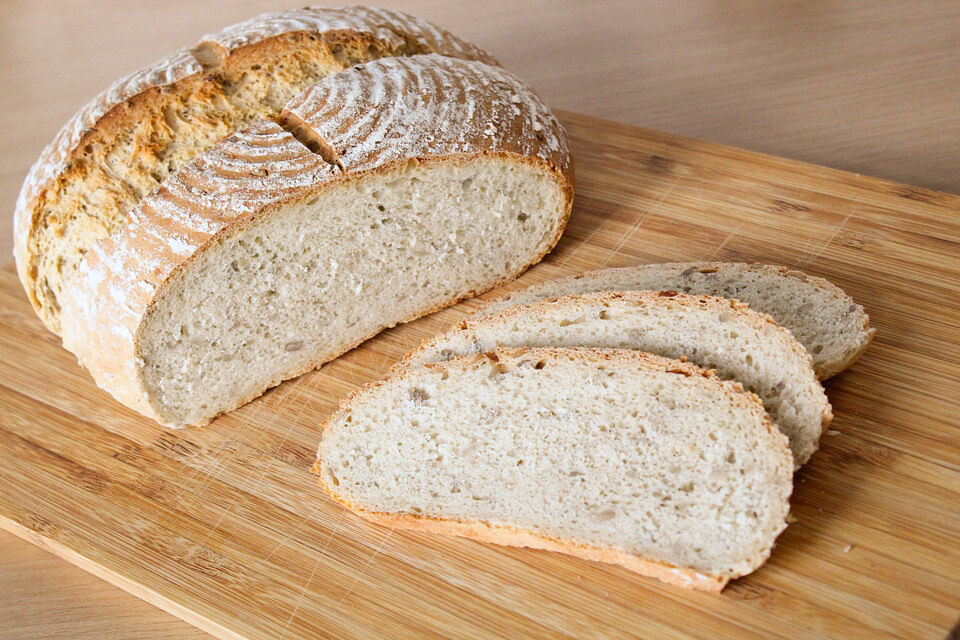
x=127, y=140
x=811, y=296
x=509, y=535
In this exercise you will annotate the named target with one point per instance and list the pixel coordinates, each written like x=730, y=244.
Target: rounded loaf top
x=128, y=139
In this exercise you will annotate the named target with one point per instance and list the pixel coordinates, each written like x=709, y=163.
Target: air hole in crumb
x=687, y=488
x=171, y=118
x=419, y=394
x=604, y=315
x=523, y=217
x=605, y=515
x=540, y=365
x=296, y=345
x=731, y=458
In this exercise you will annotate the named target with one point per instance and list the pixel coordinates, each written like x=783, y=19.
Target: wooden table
x=843, y=86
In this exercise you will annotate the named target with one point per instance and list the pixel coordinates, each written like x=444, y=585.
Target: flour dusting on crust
x=435, y=107
x=397, y=108
x=72, y=197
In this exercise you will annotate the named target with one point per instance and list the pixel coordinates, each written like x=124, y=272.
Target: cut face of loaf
x=714, y=333
x=130, y=138
x=616, y=456
x=822, y=317
x=435, y=179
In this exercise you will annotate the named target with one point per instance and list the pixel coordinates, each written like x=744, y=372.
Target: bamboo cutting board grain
x=225, y=527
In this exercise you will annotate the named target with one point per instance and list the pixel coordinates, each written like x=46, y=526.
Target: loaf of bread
x=379, y=194
x=615, y=456
x=130, y=138
x=715, y=333
x=821, y=316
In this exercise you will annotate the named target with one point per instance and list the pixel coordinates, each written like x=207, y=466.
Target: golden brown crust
x=520, y=537
x=140, y=100
x=260, y=170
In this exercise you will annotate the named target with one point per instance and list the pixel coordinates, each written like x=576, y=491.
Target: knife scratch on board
x=366, y=566
x=725, y=241
x=639, y=223
x=823, y=247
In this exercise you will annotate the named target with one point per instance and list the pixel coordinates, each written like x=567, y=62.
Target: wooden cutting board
x=225, y=527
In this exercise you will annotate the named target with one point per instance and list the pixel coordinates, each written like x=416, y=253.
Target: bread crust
x=264, y=169
x=144, y=93
x=519, y=537
x=825, y=367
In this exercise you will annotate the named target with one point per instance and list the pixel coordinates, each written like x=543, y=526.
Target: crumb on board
x=833, y=432
x=847, y=548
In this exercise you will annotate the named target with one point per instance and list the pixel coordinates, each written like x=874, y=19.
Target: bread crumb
x=791, y=518
x=833, y=432
x=847, y=548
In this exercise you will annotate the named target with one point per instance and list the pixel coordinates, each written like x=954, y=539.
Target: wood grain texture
x=225, y=526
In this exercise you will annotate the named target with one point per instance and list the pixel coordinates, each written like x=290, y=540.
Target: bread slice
x=406, y=185
x=821, y=316
x=715, y=333
x=615, y=456
x=130, y=138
